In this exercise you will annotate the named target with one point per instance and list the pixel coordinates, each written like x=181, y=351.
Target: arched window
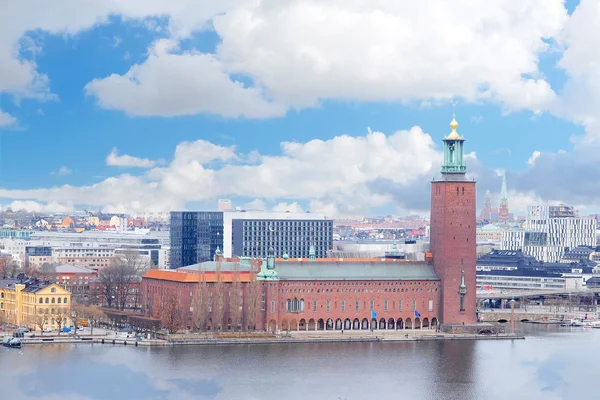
x=288, y=305
x=343, y=305
x=463, y=191
x=41, y=300
x=47, y=300
x=2, y=295
x=385, y=305
x=457, y=190
x=53, y=300
x=53, y=290
x=59, y=300
x=301, y=305
x=65, y=300
x=1, y=306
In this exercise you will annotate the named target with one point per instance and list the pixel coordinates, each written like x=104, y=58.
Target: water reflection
x=548, y=365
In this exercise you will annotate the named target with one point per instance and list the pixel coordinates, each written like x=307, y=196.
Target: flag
x=373, y=314
x=417, y=314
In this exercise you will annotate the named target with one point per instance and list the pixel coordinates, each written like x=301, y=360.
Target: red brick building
x=335, y=294
x=453, y=235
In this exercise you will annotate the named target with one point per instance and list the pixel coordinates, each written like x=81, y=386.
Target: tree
x=170, y=315
x=48, y=272
x=236, y=298
x=219, y=304
x=254, y=297
x=201, y=302
x=94, y=315
x=129, y=267
x=108, y=280
x=40, y=320
x=61, y=318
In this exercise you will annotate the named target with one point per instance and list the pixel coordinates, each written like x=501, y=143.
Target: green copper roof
x=353, y=271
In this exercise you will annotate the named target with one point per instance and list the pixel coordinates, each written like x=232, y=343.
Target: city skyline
x=336, y=126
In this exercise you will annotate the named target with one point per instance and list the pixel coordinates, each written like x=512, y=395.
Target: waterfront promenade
x=119, y=338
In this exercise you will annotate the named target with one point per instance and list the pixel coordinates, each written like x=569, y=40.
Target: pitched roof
x=73, y=269
x=183, y=277
x=353, y=271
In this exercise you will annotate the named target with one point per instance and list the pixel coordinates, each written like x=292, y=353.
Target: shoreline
x=382, y=338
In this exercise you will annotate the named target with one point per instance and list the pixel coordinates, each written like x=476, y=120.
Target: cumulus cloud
x=288, y=207
x=6, y=119
x=35, y=206
x=62, y=171
x=329, y=175
x=184, y=83
x=115, y=160
x=534, y=156
x=295, y=54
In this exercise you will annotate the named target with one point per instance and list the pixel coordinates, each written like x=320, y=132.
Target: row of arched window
x=60, y=300
x=294, y=305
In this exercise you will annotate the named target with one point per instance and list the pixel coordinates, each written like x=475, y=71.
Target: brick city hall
x=335, y=294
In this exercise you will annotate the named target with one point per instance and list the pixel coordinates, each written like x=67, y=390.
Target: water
x=552, y=363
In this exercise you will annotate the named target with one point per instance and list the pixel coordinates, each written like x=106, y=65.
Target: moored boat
x=573, y=323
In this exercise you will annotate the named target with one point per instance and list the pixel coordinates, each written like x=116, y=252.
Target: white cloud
x=40, y=206
x=6, y=119
x=62, y=171
x=185, y=83
x=302, y=52
x=534, y=156
x=332, y=175
x=115, y=160
x=295, y=54
x=288, y=207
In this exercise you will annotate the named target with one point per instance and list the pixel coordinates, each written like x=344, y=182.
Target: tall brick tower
x=453, y=216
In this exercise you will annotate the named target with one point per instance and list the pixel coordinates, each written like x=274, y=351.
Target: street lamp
x=512, y=316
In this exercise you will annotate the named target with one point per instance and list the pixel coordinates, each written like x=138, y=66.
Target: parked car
x=47, y=330
x=65, y=329
x=79, y=327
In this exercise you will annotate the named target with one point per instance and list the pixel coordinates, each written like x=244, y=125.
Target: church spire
x=503, y=190
x=453, y=151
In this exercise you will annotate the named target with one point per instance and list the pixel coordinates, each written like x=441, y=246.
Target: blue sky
x=75, y=108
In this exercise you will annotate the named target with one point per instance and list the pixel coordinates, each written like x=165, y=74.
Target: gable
x=48, y=290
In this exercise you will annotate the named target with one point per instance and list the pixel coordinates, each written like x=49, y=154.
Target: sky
x=337, y=107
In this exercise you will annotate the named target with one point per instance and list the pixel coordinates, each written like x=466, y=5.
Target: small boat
x=573, y=323
x=592, y=324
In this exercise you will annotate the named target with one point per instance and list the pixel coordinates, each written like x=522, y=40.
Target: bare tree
x=236, y=298
x=40, y=320
x=94, y=315
x=61, y=318
x=218, y=305
x=121, y=279
x=201, y=302
x=108, y=279
x=171, y=316
x=48, y=272
x=254, y=297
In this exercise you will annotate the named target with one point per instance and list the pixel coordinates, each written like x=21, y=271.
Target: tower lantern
x=454, y=162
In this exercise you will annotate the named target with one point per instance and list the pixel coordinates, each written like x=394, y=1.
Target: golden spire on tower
x=453, y=124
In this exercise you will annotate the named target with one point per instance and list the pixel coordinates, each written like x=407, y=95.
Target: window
x=47, y=300
x=65, y=300
x=430, y=305
x=328, y=306
x=1, y=306
x=399, y=305
x=41, y=300
x=343, y=305
x=385, y=305
x=272, y=306
x=357, y=305
x=2, y=295
x=372, y=305
x=53, y=290
x=301, y=305
x=414, y=304
x=315, y=306
x=288, y=305
x=59, y=300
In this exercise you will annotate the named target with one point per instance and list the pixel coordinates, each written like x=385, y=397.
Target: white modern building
x=550, y=231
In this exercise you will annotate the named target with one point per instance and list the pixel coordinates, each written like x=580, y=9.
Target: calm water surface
x=552, y=363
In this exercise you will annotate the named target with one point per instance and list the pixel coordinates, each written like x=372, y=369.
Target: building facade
x=34, y=303
x=453, y=237
x=550, y=232
x=254, y=237
x=195, y=236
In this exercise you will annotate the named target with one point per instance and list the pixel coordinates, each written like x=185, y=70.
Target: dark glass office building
x=195, y=236
x=254, y=237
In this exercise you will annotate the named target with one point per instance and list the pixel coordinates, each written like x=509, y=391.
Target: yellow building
x=34, y=304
